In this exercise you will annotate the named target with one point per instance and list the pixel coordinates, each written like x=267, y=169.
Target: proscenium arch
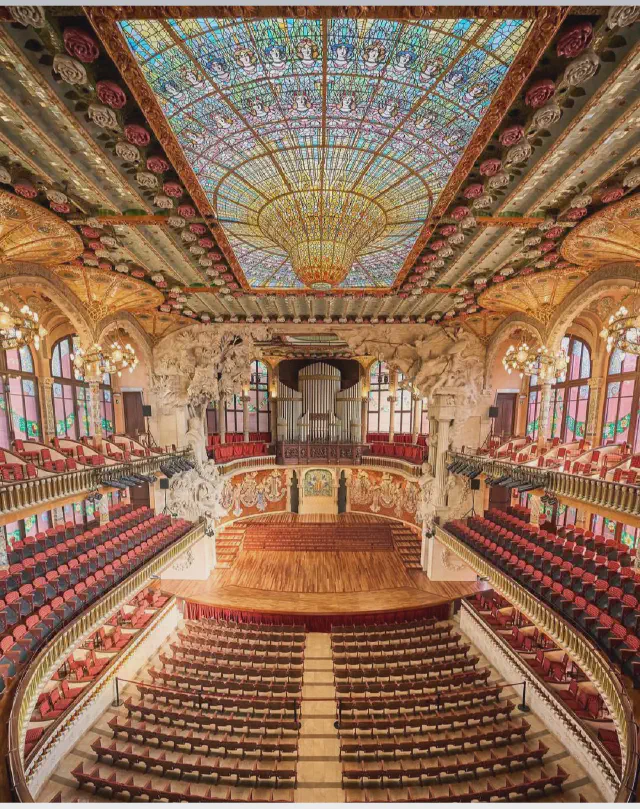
x=14, y=273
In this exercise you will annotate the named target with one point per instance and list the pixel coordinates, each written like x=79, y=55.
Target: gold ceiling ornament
x=159, y=324
x=103, y=292
x=537, y=295
x=622, y=329
x=482, y=324
x=20, y=327
x=29, y=232
x=611, y=234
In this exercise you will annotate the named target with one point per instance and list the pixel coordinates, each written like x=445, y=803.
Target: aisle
x=319, y=769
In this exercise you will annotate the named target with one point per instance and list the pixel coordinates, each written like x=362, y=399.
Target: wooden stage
x=313, y=583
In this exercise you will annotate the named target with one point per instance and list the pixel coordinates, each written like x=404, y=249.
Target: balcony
x=605, y=494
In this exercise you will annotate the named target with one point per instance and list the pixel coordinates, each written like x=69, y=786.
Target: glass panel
x=13, y=359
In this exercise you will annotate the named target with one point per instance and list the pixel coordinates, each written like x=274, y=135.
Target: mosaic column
x=222, y=431
x=46, y=408
x=364, y=418
x=416, y=418
x=272, y=383
x=595, y=398
x=245, y=418
x=443, y=411
x=4, y=552
x=94, y=404
x=544, y=428
x=392, y=416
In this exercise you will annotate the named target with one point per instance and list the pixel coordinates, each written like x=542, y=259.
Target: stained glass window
x=19, y=405
x=259, y=409
x=622, y=405
x=323, y=141
x=379, y=411
x=403, y=415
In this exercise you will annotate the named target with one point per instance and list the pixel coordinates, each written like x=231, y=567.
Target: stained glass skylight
x=323, y=145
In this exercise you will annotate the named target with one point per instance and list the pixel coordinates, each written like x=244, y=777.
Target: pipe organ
x=320, y=410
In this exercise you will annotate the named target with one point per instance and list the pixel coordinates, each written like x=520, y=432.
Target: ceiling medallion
x=29, y=232
x=611, y=234
x=19, y=327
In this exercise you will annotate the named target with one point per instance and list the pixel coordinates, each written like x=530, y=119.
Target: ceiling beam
x=509, y=221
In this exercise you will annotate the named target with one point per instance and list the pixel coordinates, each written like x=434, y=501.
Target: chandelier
x=623, y=329
x=540, y=362
x=19, y=328
x=98, y=360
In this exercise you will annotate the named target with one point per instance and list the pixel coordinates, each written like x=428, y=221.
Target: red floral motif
x=137, y=135
x=498, y=278
x=544, y=247
x=197, y=228
x=157, y=164
x=214, y=256
x=227, y=276
x=137, y=273
x=437, y=244
x=164, y=308
x=90, y=233
x=25, y=189
x=429, y=257
x=172, y=189
x=96, y=245
x=490, y=167
x=238, y=294
x=105, y=265
x=573, y=214
x=232, y=285
x=472, y=191
x=539, y=93
x=552, y=257
x=111, y=94
x=527, y=271
x=161, y=284
x=88, y=255
x=449, y=230
x=553, y=233
x=206, y=242
x=575, y=40
x=60, y=207
x=612, y=194
x=403, y=294
x=186, y=211
x=460, y=212
x=81, y=45
x=511, y=135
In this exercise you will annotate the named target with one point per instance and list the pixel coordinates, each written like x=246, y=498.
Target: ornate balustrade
x=244, y=464
x=620, y=497
x=575, y=644
x=56, y=651
x=308, y=452
x=40, y=491
x=380, y=462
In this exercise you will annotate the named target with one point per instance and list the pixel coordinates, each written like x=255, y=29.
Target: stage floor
x=328, y=583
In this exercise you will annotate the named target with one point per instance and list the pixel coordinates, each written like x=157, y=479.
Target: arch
x=16, y=273
x=613, y=278
x=513, y=323
x=128, y=323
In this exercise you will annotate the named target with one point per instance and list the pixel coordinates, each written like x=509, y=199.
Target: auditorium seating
x=413, y=453
x=223, y=710
x=419, y=721
x=590, y=580
x=223, y=453
x=279, y=536
x=398, y=438
x=56, y=574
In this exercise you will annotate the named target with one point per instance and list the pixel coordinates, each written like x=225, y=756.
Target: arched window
x=19, y=405
x=403, y=415
x=71, y=401
x=234, y=421
x=259, y=410
x=379, y=421
x=569, y=396
x=621, y=404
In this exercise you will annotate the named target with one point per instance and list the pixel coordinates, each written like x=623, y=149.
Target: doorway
x=295, y=494
x=506, y=418
x=133, y=418
x=342, y=493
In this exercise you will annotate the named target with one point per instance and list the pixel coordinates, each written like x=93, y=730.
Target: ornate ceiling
x=204, y=157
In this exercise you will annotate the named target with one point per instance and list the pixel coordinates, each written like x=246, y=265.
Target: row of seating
x=222, y=453
x=398, y=438
x=407, y=452
x=31, y=614
x=328, y=537
x=608, y=612
x=213, y=439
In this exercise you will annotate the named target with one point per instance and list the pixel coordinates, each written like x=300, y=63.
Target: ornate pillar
x=95, y=420
x=45, y=390
x=222, y=430
x=245, y=418
x=416, y=417
x=364, y=418
x=393, y=377
x=592, y=429
x=442, y=410
x=272, y=381
x=544, y=429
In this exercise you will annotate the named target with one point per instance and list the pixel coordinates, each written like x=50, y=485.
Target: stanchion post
x=116, y=702
x=523, y=706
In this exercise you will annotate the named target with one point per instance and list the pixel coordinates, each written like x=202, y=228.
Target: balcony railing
x=38, y=491
x=242, y=464
x=620, y=497
x=51, y=657
x=577, y=646
x=382, y=462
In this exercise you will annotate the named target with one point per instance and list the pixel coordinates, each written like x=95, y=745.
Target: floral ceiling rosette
x=323, y=144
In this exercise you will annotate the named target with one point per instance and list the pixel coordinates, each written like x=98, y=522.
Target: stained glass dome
x=323, y=144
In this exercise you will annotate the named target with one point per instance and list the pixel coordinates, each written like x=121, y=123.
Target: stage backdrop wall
x=251, y=493
x=384, y=493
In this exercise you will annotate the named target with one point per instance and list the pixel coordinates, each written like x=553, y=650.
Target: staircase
x=408, y=545
x=323, y=537
x=228, y=543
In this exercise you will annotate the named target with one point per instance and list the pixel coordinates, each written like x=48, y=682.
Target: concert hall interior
x=319, y=403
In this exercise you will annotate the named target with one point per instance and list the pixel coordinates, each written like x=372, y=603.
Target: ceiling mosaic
x=323, y=145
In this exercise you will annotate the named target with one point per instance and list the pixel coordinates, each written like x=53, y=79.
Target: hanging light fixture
x=540, y=362
x=623, y=328
x=19, y=327
x=98, y=360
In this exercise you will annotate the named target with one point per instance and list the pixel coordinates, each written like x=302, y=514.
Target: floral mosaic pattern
x=379, y=109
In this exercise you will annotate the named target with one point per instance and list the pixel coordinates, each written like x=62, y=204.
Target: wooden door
x=505, y=421
x=133, y=418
